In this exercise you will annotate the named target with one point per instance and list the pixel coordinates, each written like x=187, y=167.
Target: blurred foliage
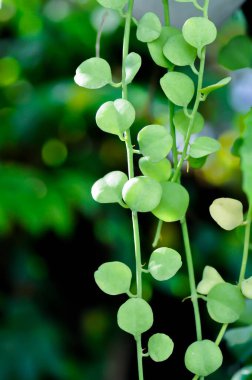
x=54, y=322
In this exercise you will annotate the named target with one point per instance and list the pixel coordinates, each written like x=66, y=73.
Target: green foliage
x=203, y=358
x=225, y=303
x=160, y=347
x=93, y=73
x=164, y=263
x=160, y=171
x=181, y=122
x=199, y=32
x=179, y=52
x=243, y=374
x=135, y=316
x=246, y=287
x=113, y=278
x=133, y=63
x=210, y=278
x=203, y=146
x=178, y=88
x=109, y=188
x=149, y=27
x=236, y=54
x=227, y=212
x=113, y=4
x=222, y=83
x=246, y=157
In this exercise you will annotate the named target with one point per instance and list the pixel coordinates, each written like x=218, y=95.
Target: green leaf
x=178, y=87
x=155, y=142
x=164, y=263
x=113, y=278
x=179, y=52
x=207, y=90
x=109, y=188
x=197, y=163
x=199, y=32
x=160, y=171
x=225, y=303
x=243, y=374
x=174, y=202
x=115, y=117
x=160, y=347
x=203, y=357
x=236, y=147
x=132, y=65
x=238, y=336
x=203, y=146
x=113, y=4
x=246, y=157
x=210, y=278
x=246, y=288
x=227, y=213
x=135, y=316
x=181, y=122
x=142, y=194
x=149, y=27
x=93, y=73
x=156, y=47
x=237, y=54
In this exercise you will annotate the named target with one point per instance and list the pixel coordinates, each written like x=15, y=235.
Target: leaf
x=109, y=188
x=160, y=347
x=203, y=357
x=155, y=142
x=174, y=202
x=210, y=278
x=203, y=146
x=238, y=336
x=93, y=73
x=142, y=194
x=246, y=288
x=225, y=303
x=246, y=157
x=164, y=263
x=243, y=374
x=113, y=4
x=199, y=32
x=113, y=278
x=160, y=171
x=132, y=65
x=135, y=316
x=179, y=52
x=178, y=87
x=237, y=54
x=149, y=27
x=115, y=117
x=156, y=47
x=181, y=122
x=236, y=147
x=227, y=213
x=197, y=163
x=207, y=90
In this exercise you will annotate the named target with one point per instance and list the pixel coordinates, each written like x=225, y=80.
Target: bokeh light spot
x=54, y=152
x=9, y=71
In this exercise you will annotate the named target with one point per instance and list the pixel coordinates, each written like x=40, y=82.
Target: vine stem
x=166, y=12
x=130, y=161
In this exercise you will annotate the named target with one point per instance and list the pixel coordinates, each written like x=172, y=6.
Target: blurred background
x=55, y=324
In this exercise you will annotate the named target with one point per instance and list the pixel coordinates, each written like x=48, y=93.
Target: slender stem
x=193, y=115
x=166, y=12
x=246, y=247
x=173, y=134
x=192, y=283
x=139, y=357
x=221, y=334
x=158, y=234
x=130, y=161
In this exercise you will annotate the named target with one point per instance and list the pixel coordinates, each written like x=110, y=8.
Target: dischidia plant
x=159, y=190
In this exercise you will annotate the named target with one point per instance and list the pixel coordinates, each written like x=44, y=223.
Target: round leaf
x=160, y=347
x=164, y=263
x=93, y=73
x=199, y=32
x=160, y=171
x=156, y=47
x=207, y=90
x=197, y=163
x=115, y=117
x=174, y=202
x=227, y=213
x=155, y=142
x=225, y=303
x=135, y=316
x=113, y=278
x=203, y=357
x=149, y=27
x=109, y=188
x=210, y=278
x=178, y=88
x=237, y=54
x=113, y=4
x=179, y=52
x=181, y=122
x=246, y=288
x=142, y=194
x=203, y=146
x=132, y=65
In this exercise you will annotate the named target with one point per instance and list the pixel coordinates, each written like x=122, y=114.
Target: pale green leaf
x=113, y=4
x=207, y=90
x=199, y=32
x=109, y=188
x=164, y=263
x=181, y=122
x=160, y=171
x=210, y=278
x=113, y=278
x=160, y=347
x=227, y=213
x=133, y=63
x=203, y=146
x=93, y=73
x=246, y=287
x=178, y=87
x=179, y=52
x=149, y=27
